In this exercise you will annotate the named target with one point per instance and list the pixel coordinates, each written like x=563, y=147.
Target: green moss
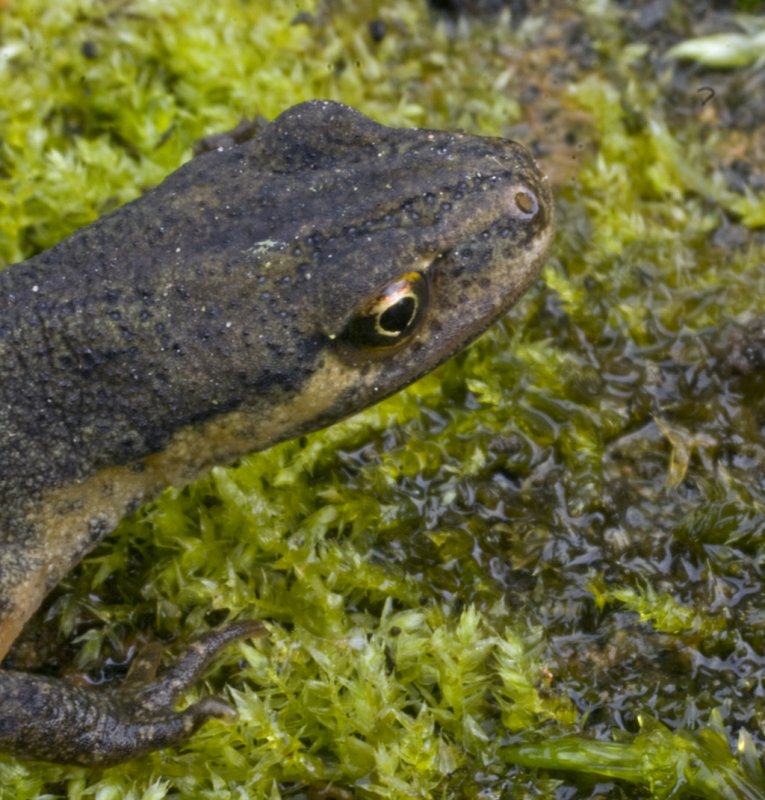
x=726, y=50
x=443, y=574
x=668, y=763
x=108, y=98
x=660, y=609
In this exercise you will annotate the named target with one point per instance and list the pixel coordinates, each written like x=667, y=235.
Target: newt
x=264, y=290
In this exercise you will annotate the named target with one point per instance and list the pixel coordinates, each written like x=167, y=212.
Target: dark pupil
x=397, y=318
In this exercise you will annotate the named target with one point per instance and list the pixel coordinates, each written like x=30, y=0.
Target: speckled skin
x=210, y=318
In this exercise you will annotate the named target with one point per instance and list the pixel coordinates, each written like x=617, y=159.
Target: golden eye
x=392, y=315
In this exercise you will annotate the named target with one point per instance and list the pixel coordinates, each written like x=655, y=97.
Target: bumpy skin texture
x=210, y=318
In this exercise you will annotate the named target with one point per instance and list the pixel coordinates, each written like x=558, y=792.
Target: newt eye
x=392, y=315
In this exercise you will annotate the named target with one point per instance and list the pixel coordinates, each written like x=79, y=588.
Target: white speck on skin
x=264, y=246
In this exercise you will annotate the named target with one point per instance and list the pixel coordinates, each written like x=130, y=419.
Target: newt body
x=261, y=291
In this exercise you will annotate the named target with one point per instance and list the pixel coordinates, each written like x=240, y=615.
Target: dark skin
x=265, y=289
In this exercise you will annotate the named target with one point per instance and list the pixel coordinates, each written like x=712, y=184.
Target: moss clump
x=668, y=763
x=109, y=97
